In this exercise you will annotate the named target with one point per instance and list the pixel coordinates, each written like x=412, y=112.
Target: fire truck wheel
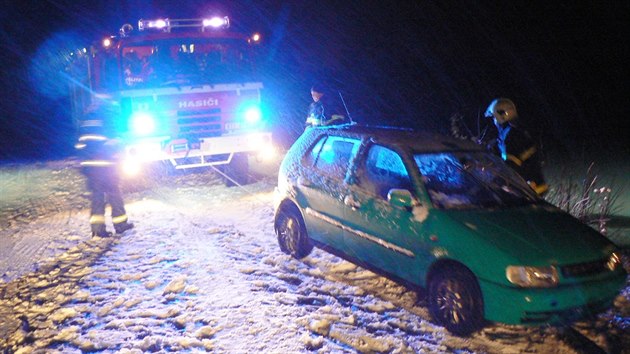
x=237, y=171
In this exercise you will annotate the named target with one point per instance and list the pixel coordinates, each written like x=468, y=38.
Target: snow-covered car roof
x=418, y=141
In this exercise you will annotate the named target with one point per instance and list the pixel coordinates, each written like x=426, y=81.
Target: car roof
x=406, y=138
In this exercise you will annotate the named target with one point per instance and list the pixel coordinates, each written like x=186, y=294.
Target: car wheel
x=237, y=171
x=292, y=236
x=455, y=300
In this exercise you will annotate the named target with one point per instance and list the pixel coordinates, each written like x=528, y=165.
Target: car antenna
x=344, y=106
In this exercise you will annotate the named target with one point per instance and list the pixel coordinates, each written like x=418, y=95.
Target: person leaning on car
x=98, y=151
x=515, y=145
x=323, y=110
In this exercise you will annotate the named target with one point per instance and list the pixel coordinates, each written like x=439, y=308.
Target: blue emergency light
x=142, y=123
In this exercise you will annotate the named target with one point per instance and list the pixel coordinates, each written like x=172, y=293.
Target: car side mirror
x=401, y=198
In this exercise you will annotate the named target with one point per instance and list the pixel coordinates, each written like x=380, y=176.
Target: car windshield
x=472, y=180
x=185, y=62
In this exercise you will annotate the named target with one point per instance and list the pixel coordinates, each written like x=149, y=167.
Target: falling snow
x=202, y=271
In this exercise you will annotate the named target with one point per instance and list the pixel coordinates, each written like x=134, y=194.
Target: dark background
x=408, y=63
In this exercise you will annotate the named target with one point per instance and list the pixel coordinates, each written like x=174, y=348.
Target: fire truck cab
x=185, y=93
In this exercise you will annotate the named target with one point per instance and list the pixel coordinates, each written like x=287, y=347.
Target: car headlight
x=142, y=123
x=532, y=277
x=614, y=261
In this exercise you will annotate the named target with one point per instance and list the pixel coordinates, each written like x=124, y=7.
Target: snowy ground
x=202, y=272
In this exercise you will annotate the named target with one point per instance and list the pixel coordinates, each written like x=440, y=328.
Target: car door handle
x=351, y=202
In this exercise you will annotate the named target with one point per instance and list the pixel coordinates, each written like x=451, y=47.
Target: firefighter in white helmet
x=515, y=145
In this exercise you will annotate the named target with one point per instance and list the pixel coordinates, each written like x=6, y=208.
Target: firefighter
x=515, y=145
x=321, y=106
x=99, y=152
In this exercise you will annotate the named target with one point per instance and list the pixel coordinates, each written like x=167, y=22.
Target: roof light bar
x=166, y=24
x=216, y=22
x=157, y=24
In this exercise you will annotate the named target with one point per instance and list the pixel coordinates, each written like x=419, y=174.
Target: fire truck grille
x=197, y=121
x=197, y=124
x=197, y=129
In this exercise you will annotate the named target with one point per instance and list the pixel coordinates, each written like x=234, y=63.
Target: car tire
x=237, y=171
x=455, y=300
x=292, y=236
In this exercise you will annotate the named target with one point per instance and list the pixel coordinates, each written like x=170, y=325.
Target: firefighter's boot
x=100, y=231
x=122, y=227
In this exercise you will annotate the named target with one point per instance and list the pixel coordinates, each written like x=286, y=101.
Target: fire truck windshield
x=184, y=62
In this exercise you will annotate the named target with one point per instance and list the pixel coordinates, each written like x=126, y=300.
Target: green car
x=444, y=215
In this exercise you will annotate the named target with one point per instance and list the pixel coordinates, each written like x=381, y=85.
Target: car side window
x=311, y=157
x=335, y=155
x=384, y=169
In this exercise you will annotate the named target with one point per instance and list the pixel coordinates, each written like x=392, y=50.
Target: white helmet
x=502, y=109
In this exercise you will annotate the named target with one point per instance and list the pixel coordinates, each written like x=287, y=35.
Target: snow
x=420, y=213
x=202, y=271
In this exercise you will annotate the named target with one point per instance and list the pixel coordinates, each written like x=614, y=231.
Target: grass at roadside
x=596, y=191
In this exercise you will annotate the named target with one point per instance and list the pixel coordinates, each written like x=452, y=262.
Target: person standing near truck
x=323, y=110
x=98, y=150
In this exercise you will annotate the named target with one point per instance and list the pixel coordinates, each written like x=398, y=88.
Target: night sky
x=410, y=63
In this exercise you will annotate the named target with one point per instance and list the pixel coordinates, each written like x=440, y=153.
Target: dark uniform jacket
x=519, y=150
x=325, y=112
x=96, y=146
x=98, y=151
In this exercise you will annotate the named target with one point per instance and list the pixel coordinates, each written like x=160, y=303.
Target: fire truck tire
x=237, y=171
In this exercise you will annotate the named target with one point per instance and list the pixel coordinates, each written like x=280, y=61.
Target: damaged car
x=445, y=216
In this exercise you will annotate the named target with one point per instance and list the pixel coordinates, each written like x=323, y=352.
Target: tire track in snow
x=26, y=245
x=31, y=306
x=172, y=284
x=141, y=269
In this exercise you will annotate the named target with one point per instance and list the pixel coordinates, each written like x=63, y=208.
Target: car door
x=322, y=186
x=378, y=233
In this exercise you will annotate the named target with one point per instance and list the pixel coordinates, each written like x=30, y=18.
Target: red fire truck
x=185, y=93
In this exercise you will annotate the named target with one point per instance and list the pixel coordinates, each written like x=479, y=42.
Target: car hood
x=537, y=235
